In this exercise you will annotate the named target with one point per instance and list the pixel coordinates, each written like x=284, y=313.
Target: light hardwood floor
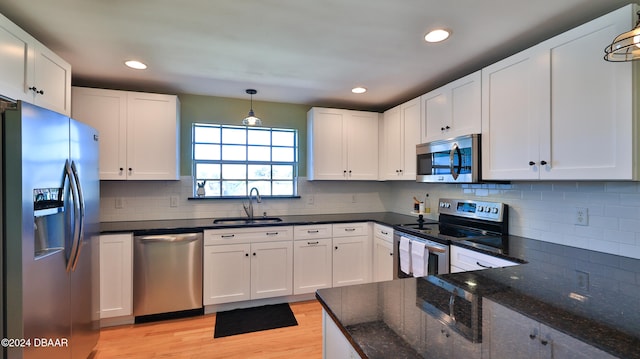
x=193, y=338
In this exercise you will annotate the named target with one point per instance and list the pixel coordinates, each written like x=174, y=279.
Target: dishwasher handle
x=163, y=238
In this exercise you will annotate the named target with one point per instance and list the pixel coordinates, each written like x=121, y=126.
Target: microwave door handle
x=455, y=149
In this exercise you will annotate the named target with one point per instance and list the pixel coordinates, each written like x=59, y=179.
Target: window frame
x=247, y=182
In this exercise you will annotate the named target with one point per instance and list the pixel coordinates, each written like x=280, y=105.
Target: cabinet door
x=334, y=343
x=116, y=275
x=362, y=145
x=312, y=265
x=271, y=269
x=52, y=80
x=351, y=260
x=382, y=260
x=410, y=137
x=562, y=346
x=152, y=136
x=14, y=52
x=227, y=273
x=466, y=105
x=436, y=110
x=590, y=135
x=437, y=339
x=392, y=145
x=327, y=156
x=511, y=335
x=515, y=100
x=106, y=111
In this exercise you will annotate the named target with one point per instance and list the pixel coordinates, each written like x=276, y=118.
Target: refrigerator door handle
x=81, y=216
x=76, y=214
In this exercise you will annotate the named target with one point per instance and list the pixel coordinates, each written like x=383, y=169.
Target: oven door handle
x=436, y=249
x=455, y=150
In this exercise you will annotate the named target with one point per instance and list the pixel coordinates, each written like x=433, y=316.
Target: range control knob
x=441, y=204
x=480, y=208
x=494, y=211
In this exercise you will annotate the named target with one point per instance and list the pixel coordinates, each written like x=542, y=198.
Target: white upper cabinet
x=558, y=111
x=452, y=110
x=139, y=136
x=31, y=72
x=401, y=134
x=342, y=144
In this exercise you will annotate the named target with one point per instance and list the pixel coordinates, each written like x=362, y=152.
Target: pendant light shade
x=251, y=119
x=626, y=46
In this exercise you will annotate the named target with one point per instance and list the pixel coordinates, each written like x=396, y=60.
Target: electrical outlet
x=310, y=200
x=354, y=198
x=173, y=201
x=582, y=280
x=581, y=216
x=119, y=203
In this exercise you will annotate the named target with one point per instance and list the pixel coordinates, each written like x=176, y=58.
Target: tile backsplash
x=539, y=210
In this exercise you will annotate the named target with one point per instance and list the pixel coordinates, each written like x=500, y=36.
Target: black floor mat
x=255, y=319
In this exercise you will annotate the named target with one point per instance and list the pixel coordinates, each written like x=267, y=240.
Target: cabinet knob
x=531, y=163
x=246, y=254
x=447, y=127
x=543, y=163
x=130, y=169
x=544, y=342
x=532, y=336
x=254, y=254
x=391, y=254
x=441, y=128
x=336, y=247
x=121, y=169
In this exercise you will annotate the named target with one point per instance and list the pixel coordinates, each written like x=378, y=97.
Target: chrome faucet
x=248, y=209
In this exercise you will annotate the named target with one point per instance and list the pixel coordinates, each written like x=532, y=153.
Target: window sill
x=240, y=197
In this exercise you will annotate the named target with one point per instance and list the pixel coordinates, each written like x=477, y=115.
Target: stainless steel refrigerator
x=50, y=219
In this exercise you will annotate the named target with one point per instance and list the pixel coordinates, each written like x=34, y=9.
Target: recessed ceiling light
x=358, y=90
x=437, y=35
x=135, y=64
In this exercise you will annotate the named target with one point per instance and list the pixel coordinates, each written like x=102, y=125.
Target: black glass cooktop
x=481, y=239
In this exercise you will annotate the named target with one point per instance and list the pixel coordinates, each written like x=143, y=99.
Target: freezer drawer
x=167, y=273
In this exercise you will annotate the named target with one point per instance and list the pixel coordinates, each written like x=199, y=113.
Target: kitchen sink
x=245, y=220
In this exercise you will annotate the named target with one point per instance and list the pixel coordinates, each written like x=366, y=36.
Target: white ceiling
x=294, y=51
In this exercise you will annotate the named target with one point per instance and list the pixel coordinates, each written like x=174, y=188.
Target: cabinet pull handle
x=313, y=231
x=349, y=229
x=34, y=89
x=482, y=265
x=228, y=235
x=543, y=163
x=313, y=243
x=385, y=233
x=272, y=233
x=531, y=163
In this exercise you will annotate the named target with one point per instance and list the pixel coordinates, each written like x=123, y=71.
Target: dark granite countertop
x=190, y=225
x=591, y=296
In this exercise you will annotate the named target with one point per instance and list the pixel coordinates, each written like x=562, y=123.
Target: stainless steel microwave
x=455, y=160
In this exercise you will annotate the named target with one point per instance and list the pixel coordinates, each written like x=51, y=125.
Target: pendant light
x=626, y=46
x=251, y=119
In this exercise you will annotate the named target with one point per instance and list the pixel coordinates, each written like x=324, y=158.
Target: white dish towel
x=419, y=259
x=405, y=255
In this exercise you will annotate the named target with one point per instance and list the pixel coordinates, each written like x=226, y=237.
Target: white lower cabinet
x=247, y=263
x=462, y=260
x=334, y=344
x=351, y=253
x=382, y=253
x=116, y=275
x=443, y=342
x=311, y=258
x=510, y=334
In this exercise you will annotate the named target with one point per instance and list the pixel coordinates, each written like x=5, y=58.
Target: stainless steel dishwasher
x=167, y=273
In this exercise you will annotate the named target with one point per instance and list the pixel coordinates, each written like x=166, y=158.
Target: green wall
x=228, y=111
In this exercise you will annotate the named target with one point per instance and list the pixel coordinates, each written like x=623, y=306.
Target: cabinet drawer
x=247, y=235
x=350, y=229
x=383, y=232
x=466, y=260
x=312, y=231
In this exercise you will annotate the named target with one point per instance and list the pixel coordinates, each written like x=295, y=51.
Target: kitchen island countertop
x=590, y=296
